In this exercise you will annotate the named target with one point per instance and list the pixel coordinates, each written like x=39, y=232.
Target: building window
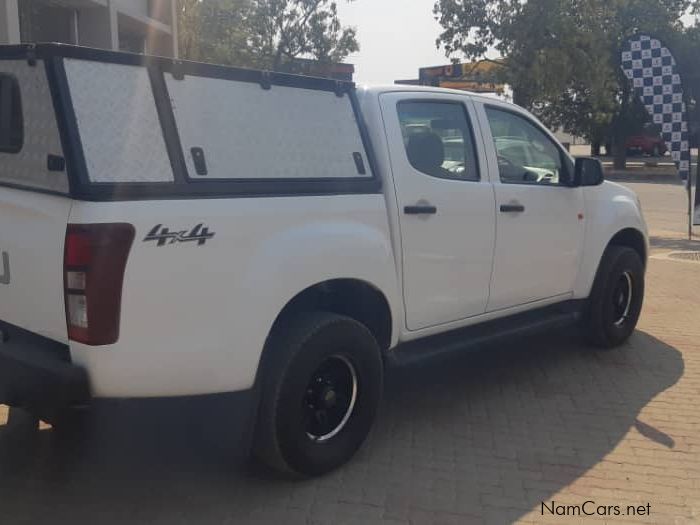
x=43, y=22
x=132, y=42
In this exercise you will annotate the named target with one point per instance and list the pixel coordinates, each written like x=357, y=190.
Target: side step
x=473, y=338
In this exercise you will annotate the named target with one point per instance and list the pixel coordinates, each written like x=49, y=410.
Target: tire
x=616, y=298
x=322, y=382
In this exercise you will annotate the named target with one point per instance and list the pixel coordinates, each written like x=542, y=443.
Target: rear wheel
x=617, y=297
x=323, y=382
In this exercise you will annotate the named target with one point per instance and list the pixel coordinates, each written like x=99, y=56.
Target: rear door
x=447, y=207
x=33, y=207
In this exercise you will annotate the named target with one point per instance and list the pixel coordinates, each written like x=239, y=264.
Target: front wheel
x=322, y=386
x=617, y=297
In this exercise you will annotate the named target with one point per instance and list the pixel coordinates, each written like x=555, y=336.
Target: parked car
x=171, y=230
x=647, y=145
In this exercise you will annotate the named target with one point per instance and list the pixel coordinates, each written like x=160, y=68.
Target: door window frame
x=470, y=129
x=564, y=157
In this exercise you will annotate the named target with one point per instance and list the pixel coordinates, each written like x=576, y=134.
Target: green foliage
x=214, y=30
x=562, y=56
x=263, y=33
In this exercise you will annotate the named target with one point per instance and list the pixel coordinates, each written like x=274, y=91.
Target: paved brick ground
x=473, y=439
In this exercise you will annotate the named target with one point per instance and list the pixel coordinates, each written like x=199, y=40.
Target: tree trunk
x=619, y=153
x=595, y=149
x=620, y=126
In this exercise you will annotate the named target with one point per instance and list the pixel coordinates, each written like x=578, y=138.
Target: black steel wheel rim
x=622, y=298
x=330, y=398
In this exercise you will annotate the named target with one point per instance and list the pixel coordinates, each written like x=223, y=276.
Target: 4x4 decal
x=162, y=235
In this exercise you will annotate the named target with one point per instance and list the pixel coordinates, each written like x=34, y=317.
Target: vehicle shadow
x=479, y=437
x=517, y=425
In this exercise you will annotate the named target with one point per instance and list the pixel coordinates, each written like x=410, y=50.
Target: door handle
x=420, y=209
x=512, y=208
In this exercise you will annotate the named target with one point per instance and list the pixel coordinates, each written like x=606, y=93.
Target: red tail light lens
x=93, y=264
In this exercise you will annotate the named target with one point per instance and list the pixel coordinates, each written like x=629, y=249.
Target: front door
x=446, y=207
x=539, y=216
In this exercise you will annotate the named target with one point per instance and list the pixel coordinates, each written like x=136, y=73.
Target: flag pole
x=689, y=185
x=689, y=190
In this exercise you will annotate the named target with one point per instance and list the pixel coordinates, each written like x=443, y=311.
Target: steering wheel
x=512, y=171
x=505, y=162
x=458, y=168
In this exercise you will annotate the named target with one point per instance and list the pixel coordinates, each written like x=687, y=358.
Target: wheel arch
x=353, y=298
x=631, y=238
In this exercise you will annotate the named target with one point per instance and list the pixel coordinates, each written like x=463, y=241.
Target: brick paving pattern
x=471, y=439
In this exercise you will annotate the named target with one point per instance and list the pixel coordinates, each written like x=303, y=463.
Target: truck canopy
x=102, y=125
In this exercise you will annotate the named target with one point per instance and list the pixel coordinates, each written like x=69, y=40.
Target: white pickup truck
x=172, y=229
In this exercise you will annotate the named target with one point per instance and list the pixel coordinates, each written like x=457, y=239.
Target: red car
x=650, y=145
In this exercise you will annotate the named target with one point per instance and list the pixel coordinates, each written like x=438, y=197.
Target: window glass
x=30, y=132
x=119, y=127
x=526, y=155
x=438, y=139
x=11, y=124
x=236, y=130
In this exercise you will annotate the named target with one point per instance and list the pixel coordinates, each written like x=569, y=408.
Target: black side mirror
x=588, y=172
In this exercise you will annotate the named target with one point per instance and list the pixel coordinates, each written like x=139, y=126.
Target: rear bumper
x=37, y=374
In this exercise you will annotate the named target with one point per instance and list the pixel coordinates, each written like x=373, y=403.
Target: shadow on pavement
x=639, y=176
x=666, y=243
x=484, y=436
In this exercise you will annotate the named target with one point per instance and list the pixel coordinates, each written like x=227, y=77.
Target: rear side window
x=11, y=121
x=438, y=139
x=238, y=131
x=118, y=122
x=31, y=154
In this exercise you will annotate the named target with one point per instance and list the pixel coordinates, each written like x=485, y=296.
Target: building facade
x=138, y=26
x=477, y=77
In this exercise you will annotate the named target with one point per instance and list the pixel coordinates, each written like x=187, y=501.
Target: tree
x=263, y=33
x=215, y=31
x=562, y=56
x=283, y=30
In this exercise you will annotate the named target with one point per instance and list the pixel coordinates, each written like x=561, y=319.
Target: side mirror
x=588, y=172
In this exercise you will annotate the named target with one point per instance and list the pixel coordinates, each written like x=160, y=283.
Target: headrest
x=426, y=152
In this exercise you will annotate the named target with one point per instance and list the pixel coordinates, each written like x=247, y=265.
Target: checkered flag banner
x=651, y=68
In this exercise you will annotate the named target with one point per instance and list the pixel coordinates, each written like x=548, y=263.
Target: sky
x=396, y=38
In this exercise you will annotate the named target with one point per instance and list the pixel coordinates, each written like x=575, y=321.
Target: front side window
x=11, y=122
x=438, y=139
x=526, y=155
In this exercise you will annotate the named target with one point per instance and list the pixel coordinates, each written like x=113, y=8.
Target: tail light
x=93, y=265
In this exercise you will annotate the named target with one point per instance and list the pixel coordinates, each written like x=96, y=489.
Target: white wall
x=9, y=22
x=96, y=28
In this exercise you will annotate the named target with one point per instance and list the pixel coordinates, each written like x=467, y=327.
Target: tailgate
x=33, y=209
